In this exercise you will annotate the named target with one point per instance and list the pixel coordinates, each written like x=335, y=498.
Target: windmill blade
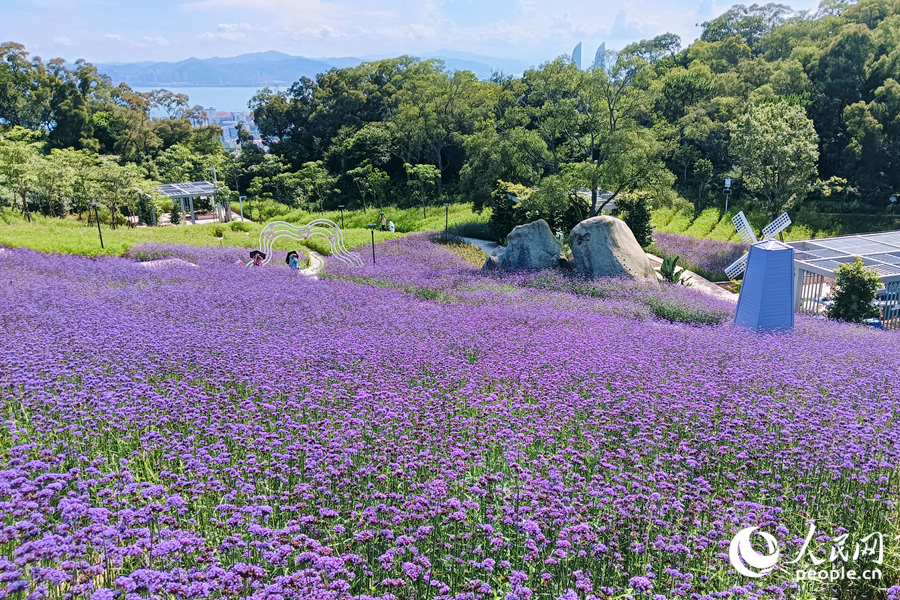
x=776, y=226
x=737, y=267
x=743, y=228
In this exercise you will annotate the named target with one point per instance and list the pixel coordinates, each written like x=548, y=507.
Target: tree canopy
x=781, y=101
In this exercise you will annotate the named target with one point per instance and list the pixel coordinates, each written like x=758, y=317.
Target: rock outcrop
x=530, y=246
x=605, y=246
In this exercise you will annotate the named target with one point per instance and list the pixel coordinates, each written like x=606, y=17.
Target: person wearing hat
x=293, y=260
x=257, y=257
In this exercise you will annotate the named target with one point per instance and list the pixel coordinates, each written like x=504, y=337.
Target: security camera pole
x=727, y=191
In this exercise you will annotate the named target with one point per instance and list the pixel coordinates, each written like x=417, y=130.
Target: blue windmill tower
x=767, y=293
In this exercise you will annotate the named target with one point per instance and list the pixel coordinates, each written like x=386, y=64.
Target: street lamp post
x=97, y=215
x=727, y=191
x=372, y=226
x=227, y=213
x=446, y=219
x=341, y=206
x=241, y=201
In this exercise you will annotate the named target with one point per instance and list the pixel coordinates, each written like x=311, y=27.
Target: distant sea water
x=228, y=99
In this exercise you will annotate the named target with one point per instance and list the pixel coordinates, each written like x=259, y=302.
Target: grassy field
x=69, y=236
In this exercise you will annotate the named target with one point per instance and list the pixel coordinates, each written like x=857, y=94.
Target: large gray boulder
x=603, y=246
x=531, y=246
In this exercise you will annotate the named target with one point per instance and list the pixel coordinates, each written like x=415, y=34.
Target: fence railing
x=814, y=288
x=889, y=303
x=815, y=291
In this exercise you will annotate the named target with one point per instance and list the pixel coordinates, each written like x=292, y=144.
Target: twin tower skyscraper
x=598, y=56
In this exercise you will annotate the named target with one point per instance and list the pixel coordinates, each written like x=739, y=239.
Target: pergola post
x=193, y=216
x=799, y=275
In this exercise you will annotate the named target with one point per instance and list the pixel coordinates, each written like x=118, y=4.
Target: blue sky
x=137, y=30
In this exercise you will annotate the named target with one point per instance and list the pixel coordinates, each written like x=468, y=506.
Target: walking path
x=483, y=245
x=316, y=262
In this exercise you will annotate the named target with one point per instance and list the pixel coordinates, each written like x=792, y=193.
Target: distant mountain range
x=273, y=68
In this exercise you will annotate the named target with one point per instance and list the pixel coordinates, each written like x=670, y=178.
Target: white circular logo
x=742, y=555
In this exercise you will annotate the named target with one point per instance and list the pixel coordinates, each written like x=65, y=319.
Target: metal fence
x=889, y=303
x=815, y=294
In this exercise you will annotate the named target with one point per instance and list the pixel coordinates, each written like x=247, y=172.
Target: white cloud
x=111, y=37
x=227, y=32
x=63, y=41
x=231, y=27
x=321, y=32
x=224, y=36
x=148, y=40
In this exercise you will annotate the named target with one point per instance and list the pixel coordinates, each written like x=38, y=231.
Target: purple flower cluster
x=705, y=257
x=416, y=429
x=207, y=255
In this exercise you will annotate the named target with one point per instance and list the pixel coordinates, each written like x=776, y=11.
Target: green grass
x=704, y=223
x=661, y=217
x=678, y=224
x=69, y=236
x=468, y=252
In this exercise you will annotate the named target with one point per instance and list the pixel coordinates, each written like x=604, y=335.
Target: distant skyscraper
x=598, y=57
x=576, y=55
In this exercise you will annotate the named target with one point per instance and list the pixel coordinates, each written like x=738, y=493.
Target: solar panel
x=837, y=244
x=873, y=247
x=188, y=188
x=825, y=253
x=884, y=270
x=825, y=264
x=891, y=237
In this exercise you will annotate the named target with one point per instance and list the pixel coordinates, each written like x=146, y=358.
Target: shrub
x=682, y=313
x=239, y=226
x=661, y=217
x=679, y=223
x=555, y=203
x=218, y=231
x=504, y=213
x=704, y=224
x=475, y=229
x=633, y=210
x=854, y=292
x=671, y=272
x=176, y=212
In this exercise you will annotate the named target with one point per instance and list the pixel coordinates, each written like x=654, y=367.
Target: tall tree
x=775, y=150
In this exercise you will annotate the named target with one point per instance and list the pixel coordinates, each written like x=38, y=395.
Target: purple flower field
x=706, y=257
x=417, y=429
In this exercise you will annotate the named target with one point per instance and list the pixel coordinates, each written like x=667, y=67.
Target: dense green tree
x=775, y=150
x=634, y=210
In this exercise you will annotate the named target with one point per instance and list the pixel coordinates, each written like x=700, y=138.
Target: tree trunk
x=440, y=166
